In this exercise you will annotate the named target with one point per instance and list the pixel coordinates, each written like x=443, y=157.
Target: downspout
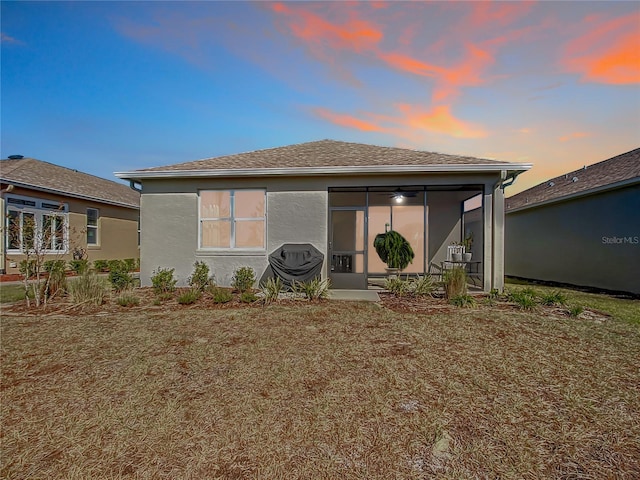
x=132, y=186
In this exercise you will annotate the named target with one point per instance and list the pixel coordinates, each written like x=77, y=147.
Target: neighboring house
x=235, y=210
x=581, y=228
x=71, y=210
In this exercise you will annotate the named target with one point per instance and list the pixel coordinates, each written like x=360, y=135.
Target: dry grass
x=331, y=390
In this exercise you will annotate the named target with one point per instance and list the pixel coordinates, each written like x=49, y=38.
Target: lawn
x=319, y=390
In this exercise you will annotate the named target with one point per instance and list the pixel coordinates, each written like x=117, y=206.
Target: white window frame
x=233, y=219
x=96, y=227
x=40, y=209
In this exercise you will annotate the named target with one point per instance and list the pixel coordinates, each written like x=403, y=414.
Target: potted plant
x=466, y=243
x=394, y=250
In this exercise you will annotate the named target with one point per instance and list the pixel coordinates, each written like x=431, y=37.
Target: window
x=92, y=226
x=34, y=224
x=232, y=219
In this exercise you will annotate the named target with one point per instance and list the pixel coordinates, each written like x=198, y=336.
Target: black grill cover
x=299, y=262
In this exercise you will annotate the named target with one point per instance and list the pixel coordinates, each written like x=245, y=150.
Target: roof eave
x=69, y=194
x=315, y=171
x=592, y=191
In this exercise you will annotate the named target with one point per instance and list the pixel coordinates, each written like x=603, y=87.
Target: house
x=71, y=211
x=233, y=211
x=581, y=228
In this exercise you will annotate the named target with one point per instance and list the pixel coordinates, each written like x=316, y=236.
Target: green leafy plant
x=27, y=268
x=88, y=289
x=128, y=299
x=397, y=286
x=189, y=296
x=162, y=280
x=200, y=279
x=525, y=299
x=243, y=279
x=119, y=276
x=79, y=267
x=130, y=263
x=575, y=310
x=393, y=249
x=553, y=298
x=422, y=286
x=315, y=289
x=56, y=279
x=100, y=265
x=271, y=289
x=454, y=282
x=463, y=300
x=248, y=297
x=221, y=295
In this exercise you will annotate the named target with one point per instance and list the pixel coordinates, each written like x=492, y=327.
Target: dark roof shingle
x=43, y=175
x=324, y=153
x=607, y=172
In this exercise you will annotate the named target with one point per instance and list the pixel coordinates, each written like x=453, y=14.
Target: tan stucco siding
x=591, y=241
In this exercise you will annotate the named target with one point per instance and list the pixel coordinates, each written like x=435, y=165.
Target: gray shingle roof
x=47, y=176
x=324, y=153
x=608, y=172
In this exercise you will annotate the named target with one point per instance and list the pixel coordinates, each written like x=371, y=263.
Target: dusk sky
x=113, y=86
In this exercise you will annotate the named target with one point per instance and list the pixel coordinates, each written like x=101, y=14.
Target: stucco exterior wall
x=591, y=241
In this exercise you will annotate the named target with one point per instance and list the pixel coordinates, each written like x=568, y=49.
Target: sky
x=116, y=86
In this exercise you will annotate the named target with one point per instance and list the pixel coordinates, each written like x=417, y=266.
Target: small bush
x=189, y=296
x=100, y=265
x=243, y=279
x=130, y=264
x=271, y=289
x=119, y=276
x=163, y=281
x=200, y=279
x=494, y=294
x=422, y=286
x=454, y=282
x=163, y=297
x=57, y=279
x=397, y=286
x=80, y=267
x=88, y=289
x=221, y=295
x=575, y=311
x=554, y=298
x=463, y=300
x=248, y=297
x=27, y=268
x=524, y=299
x=315, y=289
x=128, y=299
x=54, y=266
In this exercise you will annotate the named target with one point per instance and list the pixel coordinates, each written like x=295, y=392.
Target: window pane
x=14, y=230
x=250, y=234
x=28, y=229
x=59, y=233
x=92, y=217
x=249, y=203
x=48, y=240
x=215, y=204
x=216, y=234
x=92, y=236
x=378, y=217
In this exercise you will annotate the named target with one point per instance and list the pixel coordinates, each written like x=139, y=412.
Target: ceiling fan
x=398, y=194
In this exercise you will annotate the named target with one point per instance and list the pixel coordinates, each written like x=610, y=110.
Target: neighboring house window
x=92, y=226
x=232, y=219
x=34, y=224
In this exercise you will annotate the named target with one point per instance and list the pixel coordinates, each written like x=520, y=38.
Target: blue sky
x=112, y=86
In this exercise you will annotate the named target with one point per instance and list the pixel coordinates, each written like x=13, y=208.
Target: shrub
x=200, y=279
x=128, y=299
x=243, y=279
x=315, y=289
x=397, y=286
x=524, y=299
x=88, y=288
x=100, y=265
x=27, y=268
x=54, y=266
x=463, y=300
x=163, y=297
x=221, y=295
x=119, y=276
x=80, y=267
x=422, y=286
x=271, y=289
x=189, y=296
x=454, y=282
x=554, y=298
x=163, y=281
x=248, y=297
x=56, y=280
x=575, y=310
x=130, y=264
